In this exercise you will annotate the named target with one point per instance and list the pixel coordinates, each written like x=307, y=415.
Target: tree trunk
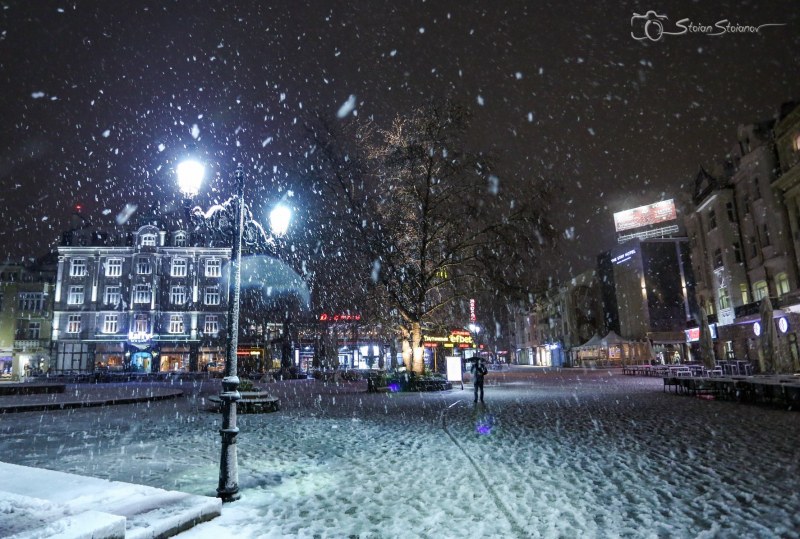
x=416, y=348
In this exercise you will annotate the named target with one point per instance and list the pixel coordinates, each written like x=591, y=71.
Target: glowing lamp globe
x=190, y=176
x=279, y=220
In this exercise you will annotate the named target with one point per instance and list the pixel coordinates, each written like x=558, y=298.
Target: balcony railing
x=30, y=344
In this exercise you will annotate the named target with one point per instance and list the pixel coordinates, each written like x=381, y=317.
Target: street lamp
x=190, y=175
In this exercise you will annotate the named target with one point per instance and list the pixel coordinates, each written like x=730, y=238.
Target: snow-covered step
x=39, y=503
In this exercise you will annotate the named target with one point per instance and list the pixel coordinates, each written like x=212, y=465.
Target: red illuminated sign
x=340, y=317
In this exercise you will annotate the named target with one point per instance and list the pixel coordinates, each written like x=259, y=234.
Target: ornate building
x=150, y=299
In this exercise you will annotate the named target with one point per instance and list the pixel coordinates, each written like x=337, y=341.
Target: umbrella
x=768, y=337
x=706, y=341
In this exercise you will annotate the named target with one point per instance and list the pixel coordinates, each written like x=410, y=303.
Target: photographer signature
x=650, y=26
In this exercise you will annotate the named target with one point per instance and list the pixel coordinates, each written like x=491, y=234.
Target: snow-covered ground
x=571, y=453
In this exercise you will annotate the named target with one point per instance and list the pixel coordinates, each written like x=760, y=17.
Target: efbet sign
x=458, y=338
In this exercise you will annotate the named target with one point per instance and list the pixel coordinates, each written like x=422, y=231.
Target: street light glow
x=190, y=176
x=279, y=219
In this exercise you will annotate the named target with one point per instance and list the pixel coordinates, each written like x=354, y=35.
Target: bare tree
x=429, y=221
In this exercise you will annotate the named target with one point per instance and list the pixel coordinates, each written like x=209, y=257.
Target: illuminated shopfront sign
x=783, y=324
x=339, y=317
x=458, y=338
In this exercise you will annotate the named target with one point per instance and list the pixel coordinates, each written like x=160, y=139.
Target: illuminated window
x=114, y=267
x=176, y=323
x=148, y=240
x=141, y=294
x=782, y=284
x=211, y=296
x=211, y=326
x=112, y=295
x=745, y=294
x=74, y=323
x=797, y=142
x=213, y=267
x=143, y=266
x=724, y=299
x=77, y=267
x=76, y=295
x=111, y=323
x=179, y=266
x=141, y=323
x=177, y=295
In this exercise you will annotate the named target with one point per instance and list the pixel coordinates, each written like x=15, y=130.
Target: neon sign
x=339, y=317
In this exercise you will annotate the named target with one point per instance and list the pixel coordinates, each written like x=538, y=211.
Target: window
x=760, y=290
x=74, y=323
x=213, y=267
x=712, y=220
x=31, y=301
x=112, y=295
x=28, y=330
x=75, y=295
x=141, y=294
x=114, y=267
x=141, y=323
x=718, y=258
x=143, y=266
x=176, y=323
x=177, y=295
x=148, y=240
x=731, y=213
x=782, y=284
x=111, y=323
x=211, y=325
x=77, y=267
x=745, y=294
x=211, y=296
x=724, y=299
x=756, y=189
x=180, y=239
x=737, y=252
x=178, y=267
x=746, y=205
x=765, y=241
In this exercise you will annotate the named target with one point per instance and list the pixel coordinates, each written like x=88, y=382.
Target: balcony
x=26, y=345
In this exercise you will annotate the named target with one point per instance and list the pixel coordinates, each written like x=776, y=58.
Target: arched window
x=180, y=239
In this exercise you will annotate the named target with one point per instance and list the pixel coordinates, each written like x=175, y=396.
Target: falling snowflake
x=347, y=107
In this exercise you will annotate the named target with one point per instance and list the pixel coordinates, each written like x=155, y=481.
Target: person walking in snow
x=478, y=371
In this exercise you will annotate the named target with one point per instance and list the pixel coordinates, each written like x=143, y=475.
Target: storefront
x=110, y=356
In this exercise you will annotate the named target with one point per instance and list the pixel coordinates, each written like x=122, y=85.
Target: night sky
x=100, y=100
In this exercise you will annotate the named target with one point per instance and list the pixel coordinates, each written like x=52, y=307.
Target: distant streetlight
x=190, y=176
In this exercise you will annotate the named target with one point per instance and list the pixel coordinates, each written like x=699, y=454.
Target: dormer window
x=148, y=240
x=180, y=239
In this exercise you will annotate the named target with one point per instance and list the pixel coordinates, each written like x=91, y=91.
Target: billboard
x=645, y=215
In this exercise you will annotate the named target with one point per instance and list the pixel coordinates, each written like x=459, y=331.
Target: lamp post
x=190, y=174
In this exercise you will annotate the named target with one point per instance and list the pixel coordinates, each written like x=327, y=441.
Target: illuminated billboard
x=645, y=215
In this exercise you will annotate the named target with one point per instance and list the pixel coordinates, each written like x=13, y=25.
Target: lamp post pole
x=190, y=175
x=228, y=488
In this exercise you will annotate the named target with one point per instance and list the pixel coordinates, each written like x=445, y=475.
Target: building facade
x=26, y=308
x=149, y=300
